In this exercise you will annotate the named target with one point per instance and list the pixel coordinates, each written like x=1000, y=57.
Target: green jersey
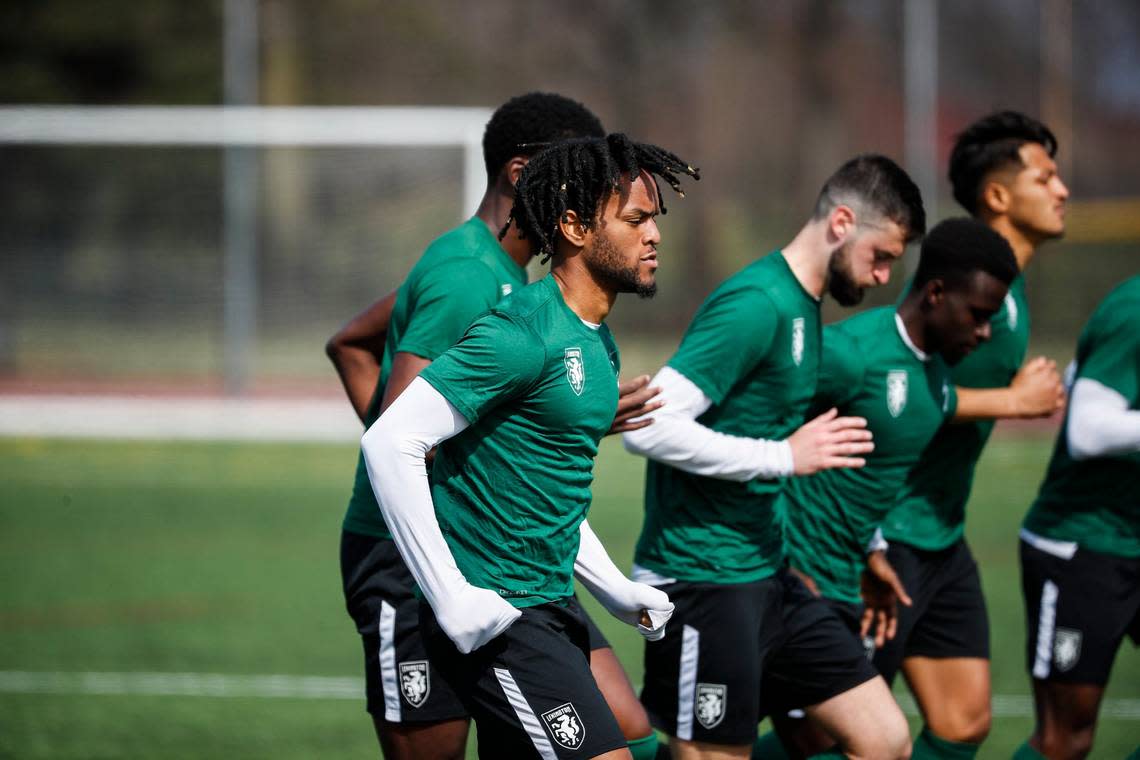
x=1096, y=502
x=753, y=350
x=930, y=512
x=870, y=370
x=460, y=276
x=539, y=389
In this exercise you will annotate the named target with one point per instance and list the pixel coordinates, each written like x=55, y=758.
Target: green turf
x=217, y=558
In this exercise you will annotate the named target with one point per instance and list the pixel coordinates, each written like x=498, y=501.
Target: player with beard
x=747, y=637
x=517, y=408
x=377, y=354
x=1003, y=173
x=890, y=366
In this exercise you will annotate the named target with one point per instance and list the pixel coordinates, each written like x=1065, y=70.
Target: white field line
x=345, y=687
x=203, y=419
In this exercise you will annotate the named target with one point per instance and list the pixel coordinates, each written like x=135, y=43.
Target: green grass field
x=131, y=558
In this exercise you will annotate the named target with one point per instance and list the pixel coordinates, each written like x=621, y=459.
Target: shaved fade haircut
x=874, y=187
x=991, y=144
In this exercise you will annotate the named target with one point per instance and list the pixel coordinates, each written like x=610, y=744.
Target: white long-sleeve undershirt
x=677, y=439
x=394, y=449
x=1100, y=422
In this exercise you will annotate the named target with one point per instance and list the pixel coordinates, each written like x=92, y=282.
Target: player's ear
x=514, y=169
x=841, y=222
x=995, y=197
x=934, y=292
x=573, y=229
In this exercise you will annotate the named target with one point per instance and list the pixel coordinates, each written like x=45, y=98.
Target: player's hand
x=830, y=441
x=1037, y=389
x=640, y=605
x=635, y=400
x=882, y=593
x=473, y=616
x=806, y=579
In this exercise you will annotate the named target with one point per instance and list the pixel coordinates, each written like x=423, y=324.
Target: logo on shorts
x=896, y=391
x=414, y=683
x=575, y=370
x=565, y=726
x=710, y=703
x=1066, y=648
x=869, y=647
x=798, y=340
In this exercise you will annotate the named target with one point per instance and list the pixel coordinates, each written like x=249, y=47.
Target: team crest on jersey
x=565, y=726
x=896, y=391
x=575, y=370
x=505, y=289
x=1066, y=648
x=1011, y=311
x=798, y=340
x=711, y=698
x=414, y=683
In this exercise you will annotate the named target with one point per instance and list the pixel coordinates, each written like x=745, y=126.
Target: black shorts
x=948, y=617
x=1077, y=611
x=401, y=686
x=530, y=690
x=851, y=615
x=735, y=653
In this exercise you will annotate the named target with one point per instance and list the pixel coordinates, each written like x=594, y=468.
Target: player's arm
x=636, y=399
x=1036, y=391
x=882, y=592
x=1100, y=421
x=637, y=604
x=406, y=367
x=357, y=349
x=394, y=450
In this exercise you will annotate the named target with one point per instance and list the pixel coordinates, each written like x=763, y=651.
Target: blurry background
x=180, y=273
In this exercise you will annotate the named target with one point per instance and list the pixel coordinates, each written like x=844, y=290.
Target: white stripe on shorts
x=687, y=682
x=388, y=681
x=1045, y=623
x=526, y=715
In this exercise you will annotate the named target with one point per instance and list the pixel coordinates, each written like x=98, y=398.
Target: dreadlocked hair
x=579, y=175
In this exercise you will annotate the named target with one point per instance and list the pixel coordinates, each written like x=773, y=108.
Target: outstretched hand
x=635, y=400
x=830, y=441
x=882, y=593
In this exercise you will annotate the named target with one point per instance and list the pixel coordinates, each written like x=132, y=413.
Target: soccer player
x=517, y=408
x=890, y=366
x=1080, y=542
x=377, y=354
x=1002, y=172
x=747, y=638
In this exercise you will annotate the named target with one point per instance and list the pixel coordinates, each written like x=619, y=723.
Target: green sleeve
x=496, y=360
x=1112, y=346
x=728, y=338
x=447, y=299
x=841, y=369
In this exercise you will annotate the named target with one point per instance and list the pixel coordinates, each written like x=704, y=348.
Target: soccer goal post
x=242, y=133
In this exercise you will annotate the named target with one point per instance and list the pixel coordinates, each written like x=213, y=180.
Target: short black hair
x=526, y=124
x=992, y=143
x=875, y=183
x=579, y=175
x=956, y=248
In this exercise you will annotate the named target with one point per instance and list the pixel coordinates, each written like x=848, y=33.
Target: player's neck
x=581, y=292
x=495, y=210
x=1023, y=244
x=914, y=321
x=808, y=255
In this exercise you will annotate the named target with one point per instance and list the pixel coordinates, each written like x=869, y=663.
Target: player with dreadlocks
x=517, y=408
x=377, y=354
